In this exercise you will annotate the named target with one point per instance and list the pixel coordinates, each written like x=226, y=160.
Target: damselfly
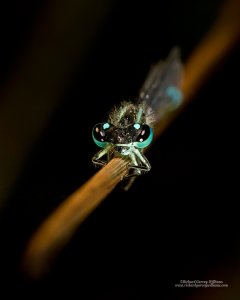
x=129, y=128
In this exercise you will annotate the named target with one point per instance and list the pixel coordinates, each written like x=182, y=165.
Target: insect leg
x=133, y=175
x=133, y=165
x=139, y=164
x=96, y=158
x=146, y=165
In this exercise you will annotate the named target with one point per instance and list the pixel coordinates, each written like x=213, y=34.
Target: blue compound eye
x=145, y=137
x=99, y=134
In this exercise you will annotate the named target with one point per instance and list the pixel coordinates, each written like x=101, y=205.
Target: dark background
x=177, y=222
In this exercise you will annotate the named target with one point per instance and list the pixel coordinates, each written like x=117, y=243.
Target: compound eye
x=145, y=137
x=99, y=134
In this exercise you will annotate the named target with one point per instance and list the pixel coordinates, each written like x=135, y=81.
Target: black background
x=179, y=221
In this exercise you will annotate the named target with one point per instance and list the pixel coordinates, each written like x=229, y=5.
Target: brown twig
x=56, y=231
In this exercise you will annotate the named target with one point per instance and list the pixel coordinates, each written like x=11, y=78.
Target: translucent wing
x=161, y=89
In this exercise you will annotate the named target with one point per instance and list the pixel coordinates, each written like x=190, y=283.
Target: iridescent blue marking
x=175, y=94
x=136, y=126
x=106, y=125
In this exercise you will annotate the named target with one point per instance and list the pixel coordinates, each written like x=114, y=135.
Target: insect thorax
x=128, y=113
